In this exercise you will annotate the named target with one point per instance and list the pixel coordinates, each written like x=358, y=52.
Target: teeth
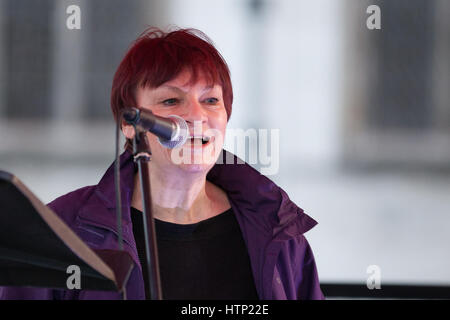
x=200, y=137
x=204, y=139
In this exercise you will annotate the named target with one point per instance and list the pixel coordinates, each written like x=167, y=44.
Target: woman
x=223, y=230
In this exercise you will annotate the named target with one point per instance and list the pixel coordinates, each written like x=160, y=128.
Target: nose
x=195, y=112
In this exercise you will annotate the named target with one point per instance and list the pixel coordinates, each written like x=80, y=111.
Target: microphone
x=172, y=131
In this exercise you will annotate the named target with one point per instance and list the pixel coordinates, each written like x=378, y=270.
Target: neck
x=177, y=196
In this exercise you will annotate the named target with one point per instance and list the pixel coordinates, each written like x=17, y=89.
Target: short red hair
x=156, y=57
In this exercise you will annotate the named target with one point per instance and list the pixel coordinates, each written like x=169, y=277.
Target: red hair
x=156, y=57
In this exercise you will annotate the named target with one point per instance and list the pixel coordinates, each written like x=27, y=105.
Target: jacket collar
x=254, y=196
x=106, y=187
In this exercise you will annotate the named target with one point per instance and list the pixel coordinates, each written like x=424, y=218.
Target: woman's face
x=203, y=109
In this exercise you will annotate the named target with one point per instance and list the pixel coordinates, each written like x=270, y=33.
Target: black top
x=205, y=260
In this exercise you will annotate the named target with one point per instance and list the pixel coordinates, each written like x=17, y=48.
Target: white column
x=304, y=79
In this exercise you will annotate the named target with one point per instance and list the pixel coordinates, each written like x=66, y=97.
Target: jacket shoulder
x=67, y=206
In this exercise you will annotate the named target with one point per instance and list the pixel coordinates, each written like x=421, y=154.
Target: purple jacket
x=272, y=225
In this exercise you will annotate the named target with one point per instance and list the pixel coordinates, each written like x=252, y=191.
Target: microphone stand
x=142, y=156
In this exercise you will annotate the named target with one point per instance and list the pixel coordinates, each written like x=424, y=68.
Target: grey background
x=364, y=115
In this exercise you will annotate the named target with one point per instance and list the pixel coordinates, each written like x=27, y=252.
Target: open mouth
x=199, y=141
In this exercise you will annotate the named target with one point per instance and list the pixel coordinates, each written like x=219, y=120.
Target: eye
x=170, y=102
x=211, y=100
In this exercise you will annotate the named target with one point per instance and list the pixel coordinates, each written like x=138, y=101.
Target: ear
x=128, y=130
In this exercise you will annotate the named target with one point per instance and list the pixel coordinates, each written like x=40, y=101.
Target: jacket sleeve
x=307, y=278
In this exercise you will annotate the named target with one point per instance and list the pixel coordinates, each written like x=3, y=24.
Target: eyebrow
x=177, y=89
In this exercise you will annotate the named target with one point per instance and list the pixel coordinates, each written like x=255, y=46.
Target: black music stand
x=36, y=246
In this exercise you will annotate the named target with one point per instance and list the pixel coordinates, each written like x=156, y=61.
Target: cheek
x=221, y=127
x=219, y=120
x=157, y=150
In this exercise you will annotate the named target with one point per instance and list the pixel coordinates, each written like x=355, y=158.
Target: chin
x=195, y=168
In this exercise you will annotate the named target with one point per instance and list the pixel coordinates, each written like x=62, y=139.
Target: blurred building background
x=364, y=115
